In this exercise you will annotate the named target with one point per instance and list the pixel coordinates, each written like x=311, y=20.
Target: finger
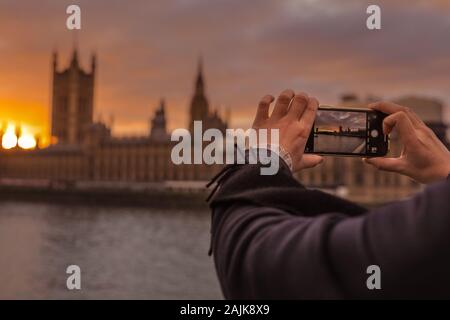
x=308, y=116
x=386, y=107
x=298, y=105
x=262, y=113
x=417, y=122
x=402, y=123
x=310, y=161
x=390, y=108
x=386, y=164
x=282, y=104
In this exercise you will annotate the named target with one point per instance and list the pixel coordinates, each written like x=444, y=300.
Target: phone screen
x=347, y=132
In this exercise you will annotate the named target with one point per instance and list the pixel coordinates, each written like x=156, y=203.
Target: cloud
x=149, y=49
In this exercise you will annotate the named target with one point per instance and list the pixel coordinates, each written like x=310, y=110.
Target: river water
x=335, y=143
x=123, y=253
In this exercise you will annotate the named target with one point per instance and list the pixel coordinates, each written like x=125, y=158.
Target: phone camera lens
x=374, y=133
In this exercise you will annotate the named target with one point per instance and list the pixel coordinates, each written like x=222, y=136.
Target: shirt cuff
x=281, y=152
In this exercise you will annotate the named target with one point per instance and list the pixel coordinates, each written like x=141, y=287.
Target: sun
x=9, y=139
x=27, y=141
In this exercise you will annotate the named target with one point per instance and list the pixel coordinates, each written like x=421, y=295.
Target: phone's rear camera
x=374, y=133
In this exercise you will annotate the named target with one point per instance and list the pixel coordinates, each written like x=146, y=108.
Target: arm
x=263, y=249
x=409, y=240
x=263, y=246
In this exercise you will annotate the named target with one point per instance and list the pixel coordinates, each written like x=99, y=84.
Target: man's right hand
x=424, y=157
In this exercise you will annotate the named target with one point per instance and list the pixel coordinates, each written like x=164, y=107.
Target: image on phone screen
x=345, y=131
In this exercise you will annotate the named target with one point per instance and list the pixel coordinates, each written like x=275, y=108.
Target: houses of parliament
x=86, y=152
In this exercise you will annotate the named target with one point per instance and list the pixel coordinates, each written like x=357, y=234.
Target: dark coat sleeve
x=272, y=238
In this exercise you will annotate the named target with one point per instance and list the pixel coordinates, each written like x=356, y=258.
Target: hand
x=424, y=158
x=294, y=116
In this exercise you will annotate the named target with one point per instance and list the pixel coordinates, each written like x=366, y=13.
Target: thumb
x=386, y=164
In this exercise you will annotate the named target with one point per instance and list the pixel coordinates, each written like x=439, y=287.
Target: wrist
x=441, y=173
x=284, y=155
x=446, y=172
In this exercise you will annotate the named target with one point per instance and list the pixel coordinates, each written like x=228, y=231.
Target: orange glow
x=9, y=139
x=32, y=118
x=27, y=141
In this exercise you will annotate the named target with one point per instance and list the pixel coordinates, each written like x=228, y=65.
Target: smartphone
x=348, y=132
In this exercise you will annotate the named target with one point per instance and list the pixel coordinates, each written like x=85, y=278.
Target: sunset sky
x=332, y=120
x=149, y=49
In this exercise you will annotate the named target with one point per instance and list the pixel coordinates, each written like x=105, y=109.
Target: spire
x=200, y=64
x=18, y=130
x=37, y=138
x=199, y=87
x=74, y=61
x=158, y=124
x=93, y=62
x=75, y=49
x=162, y=105
x=55, y=61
